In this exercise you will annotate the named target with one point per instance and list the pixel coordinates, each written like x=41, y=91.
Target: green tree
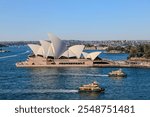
x=147, y=51
x=133, y=52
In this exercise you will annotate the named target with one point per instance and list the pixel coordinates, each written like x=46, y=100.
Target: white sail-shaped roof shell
x=51, y=50
x=68, y=54
x=59, y=46
x=84, y=54
x=93, y=55
x=40, y=51
x=36, y=49
x=48, y=49
x=77, y=50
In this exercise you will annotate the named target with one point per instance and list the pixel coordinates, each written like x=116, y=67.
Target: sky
x=27, y=20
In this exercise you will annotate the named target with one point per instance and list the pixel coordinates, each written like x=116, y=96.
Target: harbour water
x=63, y=83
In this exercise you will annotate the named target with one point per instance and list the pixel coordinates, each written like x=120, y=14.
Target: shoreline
x=114, y=64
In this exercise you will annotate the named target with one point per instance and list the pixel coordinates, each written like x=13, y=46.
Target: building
x=55, y=53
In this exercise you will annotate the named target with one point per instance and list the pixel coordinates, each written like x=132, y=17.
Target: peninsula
x=55, y=53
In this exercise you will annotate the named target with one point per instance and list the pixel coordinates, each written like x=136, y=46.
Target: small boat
x=93, y=87
x=117, y=73
x=1, y=50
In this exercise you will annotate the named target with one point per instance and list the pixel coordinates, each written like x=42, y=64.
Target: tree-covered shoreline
x=140, y=51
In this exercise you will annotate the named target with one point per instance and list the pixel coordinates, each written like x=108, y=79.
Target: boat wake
x=98, y=75
x=10, y=56
x=40, y=91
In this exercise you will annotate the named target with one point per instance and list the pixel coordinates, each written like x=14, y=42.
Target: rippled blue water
x=62, y=83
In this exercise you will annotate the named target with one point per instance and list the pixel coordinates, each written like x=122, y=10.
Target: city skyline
x=30, y=20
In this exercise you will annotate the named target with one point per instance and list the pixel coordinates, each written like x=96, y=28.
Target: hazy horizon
x=68, y=40
x=85, y=20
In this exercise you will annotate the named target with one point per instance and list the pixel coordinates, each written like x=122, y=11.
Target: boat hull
x=92, y=90
x=115, y=75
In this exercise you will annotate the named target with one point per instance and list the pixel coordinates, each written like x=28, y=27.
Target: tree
x=147, y=51
x=133, y=52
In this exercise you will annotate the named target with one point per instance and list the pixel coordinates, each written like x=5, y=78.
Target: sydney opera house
x=55, y=53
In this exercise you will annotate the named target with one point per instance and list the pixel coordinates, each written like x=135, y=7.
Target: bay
x=63, y=83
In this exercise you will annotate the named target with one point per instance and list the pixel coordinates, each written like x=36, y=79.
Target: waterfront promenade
x=98, y=63
x=125, y=64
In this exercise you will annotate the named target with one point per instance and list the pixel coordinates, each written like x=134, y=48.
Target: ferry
x=92, y=87
x=117, y=73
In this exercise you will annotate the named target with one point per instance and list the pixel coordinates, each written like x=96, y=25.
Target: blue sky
x=75, y=19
